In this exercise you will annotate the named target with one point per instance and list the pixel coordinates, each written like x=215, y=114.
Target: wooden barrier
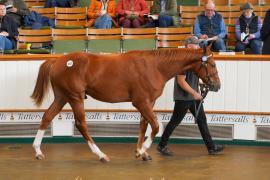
x=35, y=57
x=241, y=103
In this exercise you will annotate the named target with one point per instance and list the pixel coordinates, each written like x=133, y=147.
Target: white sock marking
x=96, y=150
x=37, y=141
x=147, y=143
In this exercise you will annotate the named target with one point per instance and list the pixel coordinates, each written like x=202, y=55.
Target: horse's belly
x=107, y=95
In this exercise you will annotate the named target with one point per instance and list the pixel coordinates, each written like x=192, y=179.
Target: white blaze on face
x=69, y=63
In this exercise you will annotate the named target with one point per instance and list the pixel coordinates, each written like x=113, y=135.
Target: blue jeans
x=165, y=21
x=103, y=22
x=219, y=45
x=5, y=43
x=254, y=44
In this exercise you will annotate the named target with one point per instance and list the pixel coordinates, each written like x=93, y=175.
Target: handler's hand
x=197, y=96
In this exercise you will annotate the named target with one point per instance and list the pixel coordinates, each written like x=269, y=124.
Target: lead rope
x=204, y=90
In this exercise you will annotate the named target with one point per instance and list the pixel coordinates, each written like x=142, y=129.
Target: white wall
x=244, y=87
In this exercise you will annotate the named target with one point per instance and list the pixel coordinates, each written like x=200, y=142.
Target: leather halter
x=204, y=66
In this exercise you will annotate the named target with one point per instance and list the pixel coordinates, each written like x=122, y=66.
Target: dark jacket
x=252, y=25
x=265, y=33
x=8, y=25
x=170, y=7
x=179, y=93
x=60, y=3
x=22, y=10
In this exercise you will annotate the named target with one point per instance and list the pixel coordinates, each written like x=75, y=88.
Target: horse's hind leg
x=79, y=115
x=48, y=116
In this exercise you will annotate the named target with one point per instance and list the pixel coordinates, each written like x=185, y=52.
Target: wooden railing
x=35, y=57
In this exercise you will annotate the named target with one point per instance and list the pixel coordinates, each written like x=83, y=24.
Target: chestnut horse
x=136, y=76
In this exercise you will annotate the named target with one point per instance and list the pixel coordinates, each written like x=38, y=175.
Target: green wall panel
x=188, y=2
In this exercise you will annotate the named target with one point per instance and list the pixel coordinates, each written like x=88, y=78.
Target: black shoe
x=215, y=150
x=164, y=151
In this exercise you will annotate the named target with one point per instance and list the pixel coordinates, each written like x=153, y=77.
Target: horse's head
x=207, y=70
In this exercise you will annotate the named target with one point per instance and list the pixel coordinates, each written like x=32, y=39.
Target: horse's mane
x=172, y=54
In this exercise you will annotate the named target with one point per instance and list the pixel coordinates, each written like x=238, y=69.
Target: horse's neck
x=178, y=62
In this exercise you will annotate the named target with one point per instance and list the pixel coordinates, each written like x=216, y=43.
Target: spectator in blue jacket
x=248, y=30
x=210, y=24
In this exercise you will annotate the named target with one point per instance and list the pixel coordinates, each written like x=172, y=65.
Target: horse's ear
x=207, y=48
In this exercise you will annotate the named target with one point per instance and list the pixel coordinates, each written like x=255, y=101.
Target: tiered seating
x=138, y=38
x=229, y=13
x=130, y=39
x=239, y=2
x=217, y=2
x=172, y=37
x=47, y=12
x=69, y=40
x=261, y=10
x=189, y=14
x=36, y=38
x=231, y=40
x=70, y=16
x=33, y=3
x=265, y=2
x=104, y=40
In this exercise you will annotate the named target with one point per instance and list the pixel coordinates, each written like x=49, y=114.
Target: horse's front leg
x=79, y=115
x=146, y=110
x=143, y=127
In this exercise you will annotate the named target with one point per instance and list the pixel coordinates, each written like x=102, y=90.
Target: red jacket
x=139, y=6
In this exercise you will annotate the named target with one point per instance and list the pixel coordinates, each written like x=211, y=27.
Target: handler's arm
x=184, y=85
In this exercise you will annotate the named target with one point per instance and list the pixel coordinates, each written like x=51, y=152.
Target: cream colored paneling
x=230, y=86
x=265, y=87
x=255, y=91
x=244, y=87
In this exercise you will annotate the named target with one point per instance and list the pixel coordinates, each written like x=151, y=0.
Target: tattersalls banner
x=135, y=116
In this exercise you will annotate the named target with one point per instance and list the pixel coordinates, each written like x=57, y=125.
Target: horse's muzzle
x=214, y=87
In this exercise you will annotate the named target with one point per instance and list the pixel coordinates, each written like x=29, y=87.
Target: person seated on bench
x=17, y=9
x=8, y=30
x=132, y=13
x=101, y=14
x=210, y=24
x=247, y=30
x=165, y=12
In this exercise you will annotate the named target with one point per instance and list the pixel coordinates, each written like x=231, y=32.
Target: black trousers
x=180, y=110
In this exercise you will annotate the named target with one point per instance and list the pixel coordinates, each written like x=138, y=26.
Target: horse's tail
x=42, y=83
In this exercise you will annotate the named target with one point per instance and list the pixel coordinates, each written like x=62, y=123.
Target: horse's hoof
x=40, y=156
x=146, y=158
x=137, y=154
x=104, y=159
